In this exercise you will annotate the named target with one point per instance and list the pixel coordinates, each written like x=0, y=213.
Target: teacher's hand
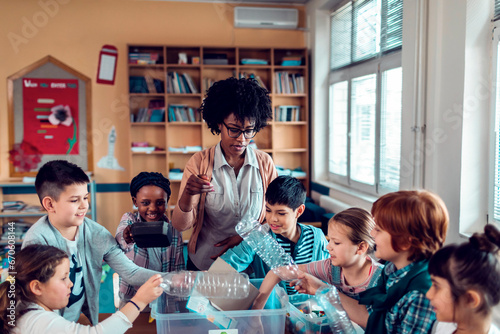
x=198, y=184
x=226, y=244
x=195, y=185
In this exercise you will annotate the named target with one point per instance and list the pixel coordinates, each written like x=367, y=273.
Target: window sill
x=348, y=195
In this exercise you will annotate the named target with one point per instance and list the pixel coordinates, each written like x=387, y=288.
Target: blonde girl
x=350, y=267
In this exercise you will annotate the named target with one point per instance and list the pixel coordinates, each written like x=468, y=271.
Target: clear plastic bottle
x=328, y=298
x=211, y=285
x=257, y=236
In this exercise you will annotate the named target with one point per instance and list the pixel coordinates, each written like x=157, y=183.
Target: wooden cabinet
x=159, y=79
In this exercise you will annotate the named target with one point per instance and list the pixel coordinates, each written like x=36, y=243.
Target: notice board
x=49, y=117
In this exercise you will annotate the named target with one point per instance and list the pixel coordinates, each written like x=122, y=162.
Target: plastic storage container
x=298, y=320
x=271, y=319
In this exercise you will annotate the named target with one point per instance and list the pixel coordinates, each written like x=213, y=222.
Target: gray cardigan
x=95, y=244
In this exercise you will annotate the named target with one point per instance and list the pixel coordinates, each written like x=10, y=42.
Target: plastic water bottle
x=210, y=285
x=257, y=236
x=328, y=298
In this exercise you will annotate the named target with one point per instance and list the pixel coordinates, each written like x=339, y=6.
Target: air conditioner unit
x=266, y=17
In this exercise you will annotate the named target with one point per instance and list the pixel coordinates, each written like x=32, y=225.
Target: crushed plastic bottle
x=257, y=236
x=210, y=285
x=338, y=320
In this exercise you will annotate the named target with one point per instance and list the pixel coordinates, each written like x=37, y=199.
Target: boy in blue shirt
x=285, y=197
x=62, y=189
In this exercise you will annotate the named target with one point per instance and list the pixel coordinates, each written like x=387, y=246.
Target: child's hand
x=198, y=184
x=307, y=283
x=149, y=291
x=127, y=235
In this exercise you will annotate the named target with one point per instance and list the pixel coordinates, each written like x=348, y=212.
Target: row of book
x=180, y=83
x=148, y=115
x=143, y=58
x=288, y=83
x=183, y=113
x=20, y=206
x=253, y=76
x=287, y=113
x=145, y=85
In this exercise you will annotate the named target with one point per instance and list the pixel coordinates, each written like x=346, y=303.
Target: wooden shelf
x=147, y=123
x=286, y=142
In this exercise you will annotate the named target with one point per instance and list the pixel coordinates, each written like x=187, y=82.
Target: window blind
x=497, y=10
x=365, y=29
x=496, y=190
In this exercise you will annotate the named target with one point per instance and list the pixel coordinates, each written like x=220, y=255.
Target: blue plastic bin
x=172, y=317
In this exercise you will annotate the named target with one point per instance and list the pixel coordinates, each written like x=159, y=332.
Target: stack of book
x=215, y=59
x=13, y=205
x=253, y=61
x=143, y=58
x=143, y=147
x=180, y=83
x=291, y=61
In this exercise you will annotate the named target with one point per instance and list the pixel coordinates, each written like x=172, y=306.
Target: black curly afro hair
x=242, y=97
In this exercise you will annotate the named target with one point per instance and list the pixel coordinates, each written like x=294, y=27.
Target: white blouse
x=40, y=321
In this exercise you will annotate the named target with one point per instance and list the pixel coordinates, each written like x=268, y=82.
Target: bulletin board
x=49, y=117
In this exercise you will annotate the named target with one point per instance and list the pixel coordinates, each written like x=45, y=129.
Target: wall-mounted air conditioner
x=265, y=17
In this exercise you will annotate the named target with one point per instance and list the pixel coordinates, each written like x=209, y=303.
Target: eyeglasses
x=235, y=132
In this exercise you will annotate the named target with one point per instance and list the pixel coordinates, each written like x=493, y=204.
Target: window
x=495, y=211
x=365, y=95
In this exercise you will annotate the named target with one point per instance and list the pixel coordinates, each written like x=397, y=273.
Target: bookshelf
x=181, y=132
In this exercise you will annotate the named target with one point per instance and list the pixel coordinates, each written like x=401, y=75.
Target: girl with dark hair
x=41, y=285
x=466, y=284
x=226, y=183
x=150, y=192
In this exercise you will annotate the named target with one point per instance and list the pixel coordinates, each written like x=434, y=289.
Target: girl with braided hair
x=466, y=284
x=150, y=193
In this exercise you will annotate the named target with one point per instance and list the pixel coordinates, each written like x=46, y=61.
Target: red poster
x=50, y=115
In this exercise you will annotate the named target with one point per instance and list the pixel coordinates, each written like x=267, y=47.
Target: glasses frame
x=229, y=129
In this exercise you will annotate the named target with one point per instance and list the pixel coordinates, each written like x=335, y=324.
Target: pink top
x=323, y=270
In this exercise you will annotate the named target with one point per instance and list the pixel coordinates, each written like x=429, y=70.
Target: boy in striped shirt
x=285, y=198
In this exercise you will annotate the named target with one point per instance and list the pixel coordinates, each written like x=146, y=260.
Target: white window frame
x=495, y=43
x=374, y=66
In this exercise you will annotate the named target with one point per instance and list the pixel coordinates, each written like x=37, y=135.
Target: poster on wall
x=50, y=115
